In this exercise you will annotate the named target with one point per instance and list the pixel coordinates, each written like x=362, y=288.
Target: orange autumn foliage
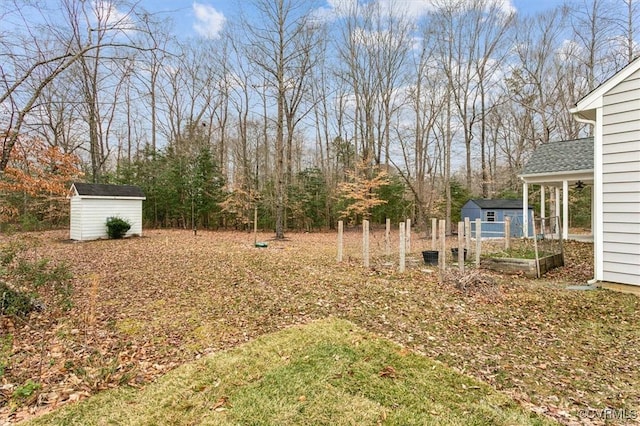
x=360, y=191
x=39, y=175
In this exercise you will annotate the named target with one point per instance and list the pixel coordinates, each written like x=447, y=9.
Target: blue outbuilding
x=492, y=213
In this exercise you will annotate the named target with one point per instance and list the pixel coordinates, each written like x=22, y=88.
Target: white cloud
x=412, y=8
x=209, y=22
x=506, y=6
x=569, y=50
x=105, y=12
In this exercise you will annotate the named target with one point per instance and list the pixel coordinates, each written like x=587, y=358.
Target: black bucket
x=454, y=254
x=430, y=257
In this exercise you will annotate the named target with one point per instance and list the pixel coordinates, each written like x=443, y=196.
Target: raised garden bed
x=527, y=267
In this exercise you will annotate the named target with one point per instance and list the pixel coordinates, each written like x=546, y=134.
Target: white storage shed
x=92, y=204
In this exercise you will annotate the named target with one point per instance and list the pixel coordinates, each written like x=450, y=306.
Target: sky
x=207, y=17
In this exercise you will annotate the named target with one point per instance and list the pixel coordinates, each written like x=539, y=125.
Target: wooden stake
x=461, y=246
x=443, y=245
x=340, y=239
x=434, y=233
x=408, y=234
x=467, y=233
x=402, y=247
x=478, y=241
x=507, y=233
x=365, y=243
x=255, y=225
x=387, y=238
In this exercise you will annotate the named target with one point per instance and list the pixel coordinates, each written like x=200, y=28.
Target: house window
x=490, y=216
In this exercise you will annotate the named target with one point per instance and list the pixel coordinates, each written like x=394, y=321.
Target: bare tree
x=426, y=99
x=627, y=22
x=358, y=76
x=61, y=43
x=489, y=55
x=56, y=118
x=282, y=43
x=593, y=30
x=534, y=83
x=472, y=38
x=373, y=46
x=393, y=37
x=156, y=40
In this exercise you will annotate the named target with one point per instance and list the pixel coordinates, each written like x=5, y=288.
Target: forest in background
x=306, y=113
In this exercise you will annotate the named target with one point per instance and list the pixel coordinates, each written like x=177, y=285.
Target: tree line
x=305, y=112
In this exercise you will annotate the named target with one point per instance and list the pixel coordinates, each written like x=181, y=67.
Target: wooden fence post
x=340, y=239
x=434, y=233
x=467, y=233
x=408, y=235
x=387, y=237
x=443, y=245
x=402, y=243
x=507, y=233
x=478, y=241
x=255, y=225
x=365, y=243
x=461, y=246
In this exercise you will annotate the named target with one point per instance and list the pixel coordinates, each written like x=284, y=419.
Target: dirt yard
x=142, y=306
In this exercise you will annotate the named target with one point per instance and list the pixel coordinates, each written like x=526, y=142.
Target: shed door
x=516, y=222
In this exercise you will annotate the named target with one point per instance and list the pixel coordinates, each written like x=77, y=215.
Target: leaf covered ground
x=143, y=306
x=327, y=372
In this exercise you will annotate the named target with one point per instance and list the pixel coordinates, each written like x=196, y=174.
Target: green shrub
x=26, y=390
x=14, y=302
x=117, y=227
x=23, y=278
x=8, y=253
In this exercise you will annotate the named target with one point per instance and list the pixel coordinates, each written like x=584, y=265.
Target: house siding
x=618, y=141
x=76, y=218
x=89, y=224
x=620, y=177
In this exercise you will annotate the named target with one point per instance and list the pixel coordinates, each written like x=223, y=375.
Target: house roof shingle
x=561, y=156
x=105, y=190
x=498, y=203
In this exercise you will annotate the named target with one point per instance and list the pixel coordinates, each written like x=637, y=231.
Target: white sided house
x=614, y=111
x=92, y=204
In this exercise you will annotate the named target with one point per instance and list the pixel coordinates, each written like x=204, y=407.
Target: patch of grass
x=328, y=372
x=6, y=342
x=129, y=326
x=520, y=253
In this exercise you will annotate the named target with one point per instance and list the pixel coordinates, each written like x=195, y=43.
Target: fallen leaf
x=389, y=371
x=220, y=403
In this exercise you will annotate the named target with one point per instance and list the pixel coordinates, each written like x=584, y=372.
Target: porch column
x=593, y=212
x=557, y=211
x=525, y=209
x=543, y=212
x=565, y=209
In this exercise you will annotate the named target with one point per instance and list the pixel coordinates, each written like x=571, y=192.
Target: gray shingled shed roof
x=104, y=190
x=498, y=203
x=561, y=156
